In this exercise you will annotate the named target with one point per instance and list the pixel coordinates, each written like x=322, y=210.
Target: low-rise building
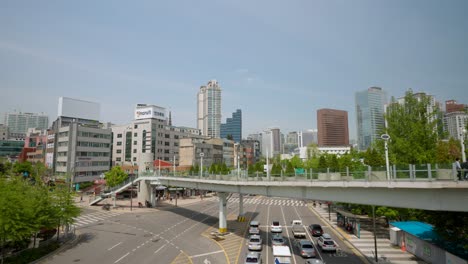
x=195, y=151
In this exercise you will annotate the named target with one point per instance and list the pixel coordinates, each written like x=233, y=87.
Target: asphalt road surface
x=175, y=234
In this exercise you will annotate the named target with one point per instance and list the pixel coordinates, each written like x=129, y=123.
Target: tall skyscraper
x=370, y=107
x=209, y=109
x=18, y=123
x=332, y=127
x=233, y=126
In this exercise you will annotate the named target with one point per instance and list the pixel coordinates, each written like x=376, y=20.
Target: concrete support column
x=144, y=192
x=241, y=204
x=152, y=196
x=222, y=212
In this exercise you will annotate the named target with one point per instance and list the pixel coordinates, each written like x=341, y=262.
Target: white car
x=276, y=227
x=326, y=243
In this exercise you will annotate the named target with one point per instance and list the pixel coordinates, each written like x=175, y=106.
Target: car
x=255, y=242
x=253, y=258
x=253, y=228
x=326, y=243
x=277, y=240
x=276, y=227
x=314, y=261
x=315, y=230
x=306, y=248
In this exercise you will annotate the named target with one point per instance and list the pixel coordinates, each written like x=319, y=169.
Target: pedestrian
x=458, y=167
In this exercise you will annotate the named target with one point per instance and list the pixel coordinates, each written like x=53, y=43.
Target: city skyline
x=276, y=62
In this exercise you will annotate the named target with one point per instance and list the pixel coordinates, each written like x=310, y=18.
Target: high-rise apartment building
x=209, y=109
x=18, y=123
x=454, y=123
x=332, y=127
x=370, y=107
x=233, y=127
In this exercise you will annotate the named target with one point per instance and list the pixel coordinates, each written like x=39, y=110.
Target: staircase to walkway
x=114, y=190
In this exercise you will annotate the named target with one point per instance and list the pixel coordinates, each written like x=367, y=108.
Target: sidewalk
x=387, y=253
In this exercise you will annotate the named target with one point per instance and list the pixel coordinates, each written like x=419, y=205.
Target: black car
x=315, y=230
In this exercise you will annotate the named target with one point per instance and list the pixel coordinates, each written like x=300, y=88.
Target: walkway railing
x=424, y=172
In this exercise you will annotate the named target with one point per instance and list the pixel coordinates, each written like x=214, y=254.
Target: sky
x=277, y=61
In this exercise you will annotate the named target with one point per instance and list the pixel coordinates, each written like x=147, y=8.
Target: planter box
x=322, y=176
x=444, y=174
x=335, y=176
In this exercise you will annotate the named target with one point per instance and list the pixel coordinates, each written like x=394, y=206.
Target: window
x=136, y=126
x=166, y=135
x=119, y=151
x=135, y=134
x=166, y=143
x=118, y=159
x=134, y=151
x=119, y=143
x=166, y=151
x=134, y=142
x=176, y=144
x=119, y=135
x=134, y=158
x=176, y=136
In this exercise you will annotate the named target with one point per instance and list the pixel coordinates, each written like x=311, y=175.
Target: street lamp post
x=386, y=138
x=173, y=165
x=462, y=141
x=201, y=164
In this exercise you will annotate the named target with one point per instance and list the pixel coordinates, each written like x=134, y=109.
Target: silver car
x=255, y=242
x=314, y=261
x=253, y=258
x=277, y=240
x=306, y=248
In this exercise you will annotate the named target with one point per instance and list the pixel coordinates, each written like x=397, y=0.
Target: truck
x=281, y=255
x=297, y=228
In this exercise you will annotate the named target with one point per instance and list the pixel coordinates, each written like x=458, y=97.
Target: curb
x=66, y=245
x=361, y=255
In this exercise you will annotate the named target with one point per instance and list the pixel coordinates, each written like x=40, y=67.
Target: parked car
x=315, y=230
x=277, y=240
x=306, y=248
x=255, y=242
x=326, y=243
x=254, y=228
x=276, y=227
x=253, y=258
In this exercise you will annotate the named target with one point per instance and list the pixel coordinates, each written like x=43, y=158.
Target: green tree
x=322, y=164
x=296, y=162
x=447, y=151
x=115, y=176
x=412, y=129
x=23, y=168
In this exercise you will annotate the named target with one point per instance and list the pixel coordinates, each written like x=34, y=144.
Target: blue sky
x=278, y=61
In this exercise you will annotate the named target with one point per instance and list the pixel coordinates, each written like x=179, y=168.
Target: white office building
x=147, y=138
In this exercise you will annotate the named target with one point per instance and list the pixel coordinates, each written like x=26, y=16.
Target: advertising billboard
x=69, y=107
x=150, y=112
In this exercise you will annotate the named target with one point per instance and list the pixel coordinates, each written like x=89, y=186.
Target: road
x=174, y=234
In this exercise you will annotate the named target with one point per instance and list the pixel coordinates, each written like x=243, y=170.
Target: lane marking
x=114, y=246
x=206, y=254
x=159, y=249
x=121, y=257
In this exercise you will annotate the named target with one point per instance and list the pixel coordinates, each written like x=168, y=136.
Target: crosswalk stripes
x=271, y=202
x=87, y=219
